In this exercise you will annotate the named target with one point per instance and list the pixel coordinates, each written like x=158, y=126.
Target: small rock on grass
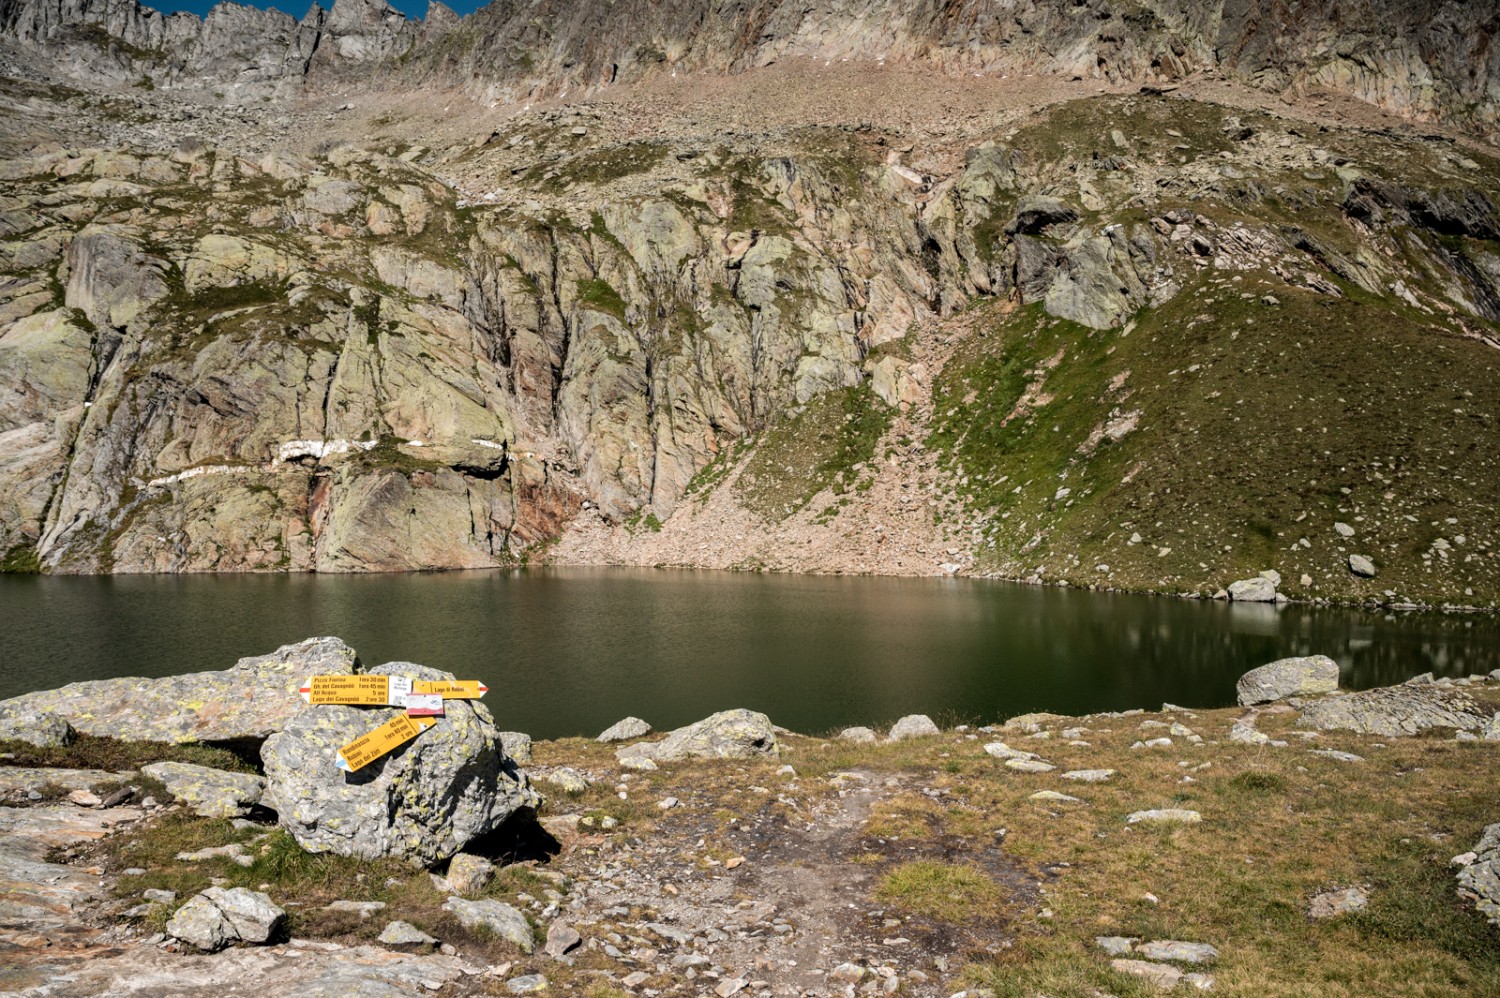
x=400, y=933
x=912, y=726
x=560, y=939
x=525, y=984
x=1178, y=952
x=1029, y=765
x=218, y=917
x=498, y=917
x=1164, y=816
x=1116, y=945
x=568, y=780
x=1055, y=797
x=468, y=874
x=1331, y=904
x=1089, y=775
x=858, y=735
x=624, y=730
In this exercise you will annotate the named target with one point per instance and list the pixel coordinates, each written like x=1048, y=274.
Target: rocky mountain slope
x=812, y=316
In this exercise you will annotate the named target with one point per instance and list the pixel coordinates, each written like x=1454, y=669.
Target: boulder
x=1479, y=878
x=623, y=731
x=1257, y=590
x=400, y=933
x=1288, y=677
x=498, y=917
x=209, y=793
x=253, y=699
x=422, y=803
x=561, y=938
x=468, y=874
x=44, y=729
x=1396, y=711
x=569, y=781
x=857, y=735
x=517, y=745
x=913, y=726
x=729, y=734
x=1361, y=566
x=218, y=917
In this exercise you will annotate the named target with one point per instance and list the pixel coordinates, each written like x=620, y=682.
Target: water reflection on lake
x=569, y=651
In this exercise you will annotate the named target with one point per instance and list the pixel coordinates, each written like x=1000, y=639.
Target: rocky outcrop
x=43, y=729
x=1288, y=677
x=1479, y=874
x=421, y=803
x=1396, y=711
x=729, y=734
x=247, y=702
x=210, y=793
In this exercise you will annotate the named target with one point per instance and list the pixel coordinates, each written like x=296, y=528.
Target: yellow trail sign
x=359, y=691
x=463, y=689
x=388, y=737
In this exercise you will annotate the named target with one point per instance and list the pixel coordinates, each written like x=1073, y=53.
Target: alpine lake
x=570, y=651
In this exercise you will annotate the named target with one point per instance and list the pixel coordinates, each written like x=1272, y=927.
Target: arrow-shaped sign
x=385, y=739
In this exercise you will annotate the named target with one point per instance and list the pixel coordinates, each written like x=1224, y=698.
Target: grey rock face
x=249, y=701
x=624, y=730
x=1256, y=590
x=218, y=917
x=1288, y=677
x=498, y=917
x=729, y=734
x=1479, y=880
x=211, y=793
x=423, y=802
x=1396, y=711
x=913, y=726
x=43, y=729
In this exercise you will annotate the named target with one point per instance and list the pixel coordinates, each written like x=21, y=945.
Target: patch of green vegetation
x=111, y=755
x=948, y=892
x=21, y=559
x=828, y=444
x=601, y=166
x=643, y=520
x=600, y=295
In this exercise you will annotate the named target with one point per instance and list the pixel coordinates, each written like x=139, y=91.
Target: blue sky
x=411, y=8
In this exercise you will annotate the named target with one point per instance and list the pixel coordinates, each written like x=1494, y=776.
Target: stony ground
x=1319, y=865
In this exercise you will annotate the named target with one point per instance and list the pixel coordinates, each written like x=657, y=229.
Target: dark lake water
x=570, y=651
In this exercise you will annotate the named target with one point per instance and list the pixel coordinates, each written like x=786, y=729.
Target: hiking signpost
x=422, y=699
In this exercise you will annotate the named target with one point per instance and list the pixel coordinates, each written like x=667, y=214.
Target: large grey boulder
x=210, y=793
x=1479, y=876
x=913, y=726
x=1395, y=711
x=247, y=702
x=1257, y=590
x=218, y=917
x=729, y=734
x=498, y=917
x=1288, y=677
x=44, y=729
x=422, y=803
x=625, y=730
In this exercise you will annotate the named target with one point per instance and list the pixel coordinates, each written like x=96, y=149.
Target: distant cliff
x=1434, y=61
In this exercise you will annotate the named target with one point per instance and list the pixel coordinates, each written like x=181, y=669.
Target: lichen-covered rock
x=517, y=745
x=494, y=916
x=43, y=729
x=400, y=933
x=247, y=702
x=1288, y=677
x=729, y=734
x=624, y=730
x=568, y=780
x=913, y=726
x=1479, y=880
x=211, y=793
x=218, y=917
x=422, y=803
x=1396, y=711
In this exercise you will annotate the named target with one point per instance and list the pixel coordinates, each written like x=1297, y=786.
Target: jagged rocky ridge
x=1431, y=61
